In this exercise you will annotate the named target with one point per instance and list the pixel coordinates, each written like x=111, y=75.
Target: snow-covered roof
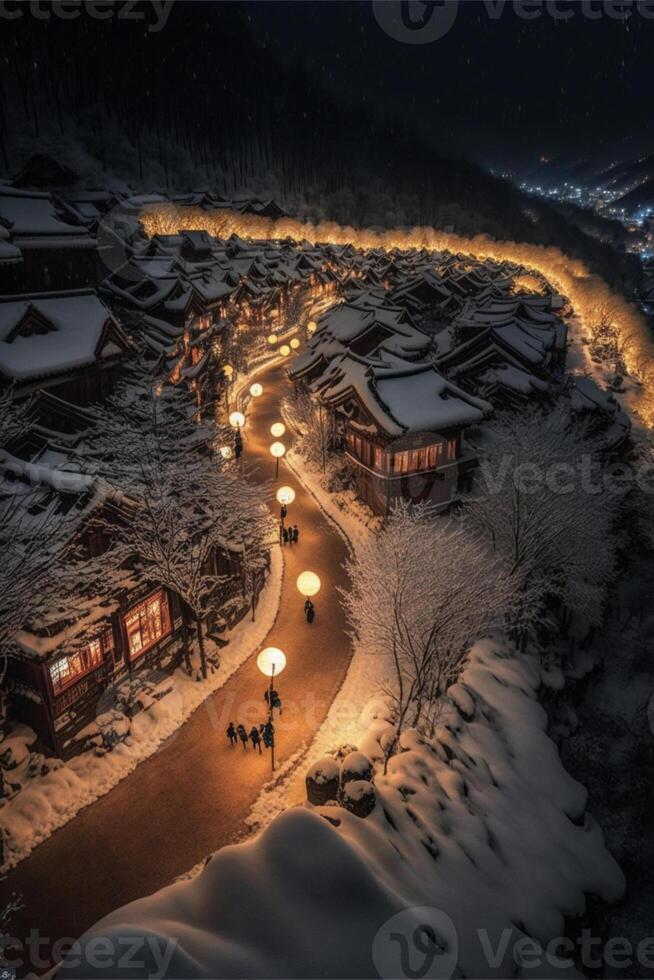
x=400, y=397
x=45, y=336
x=30, y=215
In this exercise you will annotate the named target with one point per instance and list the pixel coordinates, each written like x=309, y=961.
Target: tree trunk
x=203, y=656
x=187, y=652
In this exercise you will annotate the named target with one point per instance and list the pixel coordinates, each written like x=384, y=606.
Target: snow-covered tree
x=13, y=416
x=548, y=511
x=187, y=504
x=423, y=589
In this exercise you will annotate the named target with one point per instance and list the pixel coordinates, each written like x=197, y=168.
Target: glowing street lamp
x=277, y=429
x=277, y=450
x=237, y=420
x=285, y=496
x=228, y=370
x=272, y=338
x=295, y=343
x=311, y=326
x=226, y=452
x=256, y=390
x=308, y=584
x=271, y=661
x=284, y=350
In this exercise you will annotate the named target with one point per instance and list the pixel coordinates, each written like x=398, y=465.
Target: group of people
x=258, y=734
x=289, y=535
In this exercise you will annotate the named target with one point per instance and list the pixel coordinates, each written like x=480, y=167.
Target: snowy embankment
x=480, y=823
x=47, y=802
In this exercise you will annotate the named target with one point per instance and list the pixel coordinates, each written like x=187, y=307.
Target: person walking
x=276, y=701
x=231, y=734
x=281, y=532
x=270, y=696
x=285, y=535
x=309, y=610
x=282, y=513
x=255, y=738
x=243, y=735
x=268, y=734
x=296, y=534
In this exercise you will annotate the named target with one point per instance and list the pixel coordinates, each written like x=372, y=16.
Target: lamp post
x=228, y=371
x=308, y=584
x=271, y=661
x=277, y=450
x=285, y=495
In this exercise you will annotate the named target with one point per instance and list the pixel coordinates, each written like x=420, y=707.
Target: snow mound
x=480, y=823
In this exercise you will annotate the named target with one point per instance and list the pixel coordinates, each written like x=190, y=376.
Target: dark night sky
x=503, y=91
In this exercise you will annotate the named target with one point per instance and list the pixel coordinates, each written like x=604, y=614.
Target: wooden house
x=55, y=254
x=401, y=426
x=69, y=344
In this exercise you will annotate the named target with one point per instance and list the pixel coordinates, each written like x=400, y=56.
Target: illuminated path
x=194, y=794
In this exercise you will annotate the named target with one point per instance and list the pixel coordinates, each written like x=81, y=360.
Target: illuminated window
x=67, y=670
x=451, y=449
x=147, y=623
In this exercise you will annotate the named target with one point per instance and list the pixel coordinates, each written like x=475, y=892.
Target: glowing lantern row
x=277, y=449
x=272, y=338
x=295, y=343
x=286, y=495
x=256, y=390
x=277, y=429
x=271, y=661
x=237, y=420
x=284, y=350
x=308, y=584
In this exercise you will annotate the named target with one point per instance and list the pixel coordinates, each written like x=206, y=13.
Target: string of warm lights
x=570, y=277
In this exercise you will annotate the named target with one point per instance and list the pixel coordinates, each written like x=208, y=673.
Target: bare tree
x=13, y=416
x=549, y=512
x=188, y=505
x=423, y=590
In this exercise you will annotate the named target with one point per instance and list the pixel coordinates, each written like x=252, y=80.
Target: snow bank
x=51, y=800
x=481, y=823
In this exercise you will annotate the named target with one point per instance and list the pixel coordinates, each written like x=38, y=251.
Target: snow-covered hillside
x=482, y=825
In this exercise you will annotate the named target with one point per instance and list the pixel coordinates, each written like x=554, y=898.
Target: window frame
x=91, y=656
x=140, y=609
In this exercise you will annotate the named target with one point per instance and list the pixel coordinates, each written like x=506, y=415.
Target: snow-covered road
x=194, y=794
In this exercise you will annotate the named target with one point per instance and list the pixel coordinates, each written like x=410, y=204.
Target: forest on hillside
x=161, y=117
